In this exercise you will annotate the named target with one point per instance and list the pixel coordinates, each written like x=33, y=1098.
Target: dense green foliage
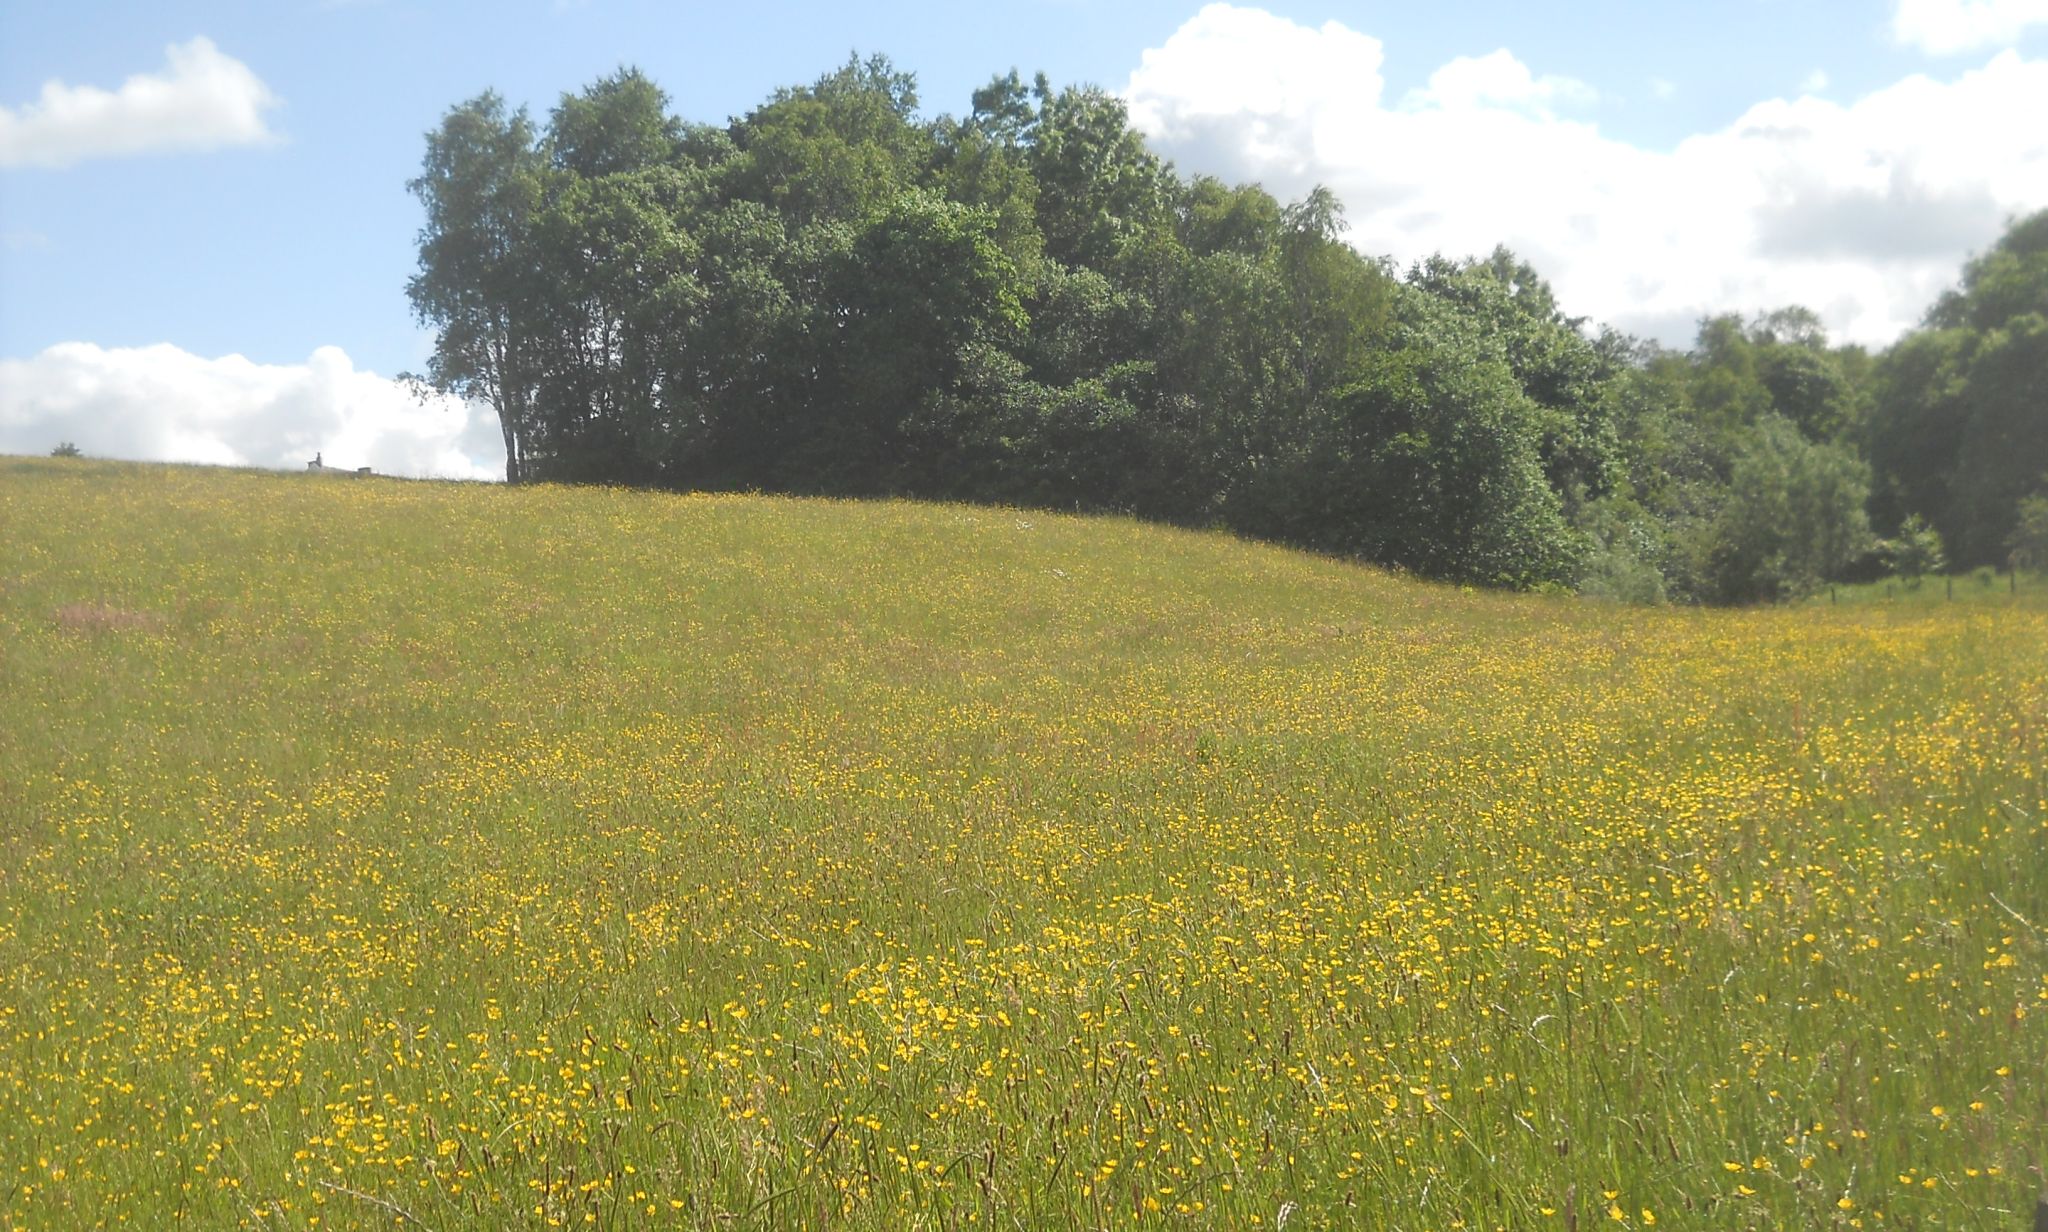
x=1916, y=552
x=1961, y=436
x=835, y=295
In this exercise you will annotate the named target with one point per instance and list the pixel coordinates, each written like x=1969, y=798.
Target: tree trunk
x=513, y=471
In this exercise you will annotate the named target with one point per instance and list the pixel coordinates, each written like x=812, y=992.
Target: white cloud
x=202, y=99
x=1302, y=86
x=1945, y=27
x=1662, y=88
x=1861, y=210
x=1814, y=82
x=1497, y=79
x=163, y=404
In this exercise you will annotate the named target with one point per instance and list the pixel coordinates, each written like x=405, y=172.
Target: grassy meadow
x=380, y=855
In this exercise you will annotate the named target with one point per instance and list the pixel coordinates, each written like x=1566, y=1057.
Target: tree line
x=833, y=295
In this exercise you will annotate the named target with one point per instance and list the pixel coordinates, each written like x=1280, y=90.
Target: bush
x=1915, y=552
x=1624, y=546
x=1792, y=519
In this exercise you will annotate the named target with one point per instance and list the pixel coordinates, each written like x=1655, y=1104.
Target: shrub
x=1916, y=551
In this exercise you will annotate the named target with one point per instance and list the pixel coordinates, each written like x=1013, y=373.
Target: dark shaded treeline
x=832, y=295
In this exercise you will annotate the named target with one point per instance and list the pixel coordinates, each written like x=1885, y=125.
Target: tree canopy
x=834, y=294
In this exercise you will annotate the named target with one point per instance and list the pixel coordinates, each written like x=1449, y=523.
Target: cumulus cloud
x=202, y=99
x=1945, y=27
x=163, y=404
x=1498, y=79
x=1861, y=210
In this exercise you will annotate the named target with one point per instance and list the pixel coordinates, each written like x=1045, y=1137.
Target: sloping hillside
x=465, y=857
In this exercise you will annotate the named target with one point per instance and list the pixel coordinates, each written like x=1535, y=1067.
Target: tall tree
x=1958, y=429
x=481, y=184
x=1100, y=190
x=619, y=315
x=1560, y=369
x=1794, y=516
x=836, y=150
x=919, y=286
x=617, y=124
x=1430, y=458
x=2004, y=448
x=2011, y=280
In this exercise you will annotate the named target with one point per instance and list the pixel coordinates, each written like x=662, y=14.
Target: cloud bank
x=1945, y=27
x=202, y=99
x=163, y=404
x=1862, y=211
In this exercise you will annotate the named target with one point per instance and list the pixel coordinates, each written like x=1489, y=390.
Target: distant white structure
x=317, y=464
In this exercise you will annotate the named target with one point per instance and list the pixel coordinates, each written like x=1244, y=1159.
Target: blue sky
x=1637, y=152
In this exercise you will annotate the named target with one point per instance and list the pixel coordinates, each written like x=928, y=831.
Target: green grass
x=1978, y=586
x=380, y=854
